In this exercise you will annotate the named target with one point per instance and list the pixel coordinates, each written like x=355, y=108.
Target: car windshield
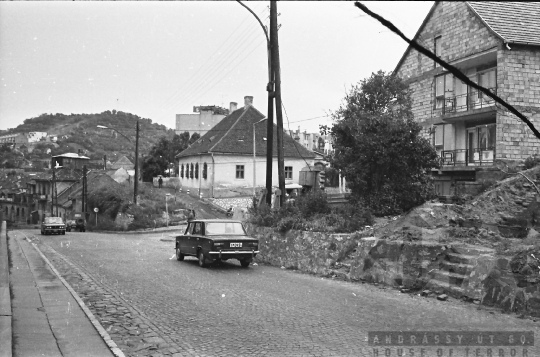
x=218, y=228
x=53, y=220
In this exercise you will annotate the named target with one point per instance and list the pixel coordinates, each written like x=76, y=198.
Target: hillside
x=80, y=131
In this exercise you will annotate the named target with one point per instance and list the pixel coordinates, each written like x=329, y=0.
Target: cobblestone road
x=153, y=305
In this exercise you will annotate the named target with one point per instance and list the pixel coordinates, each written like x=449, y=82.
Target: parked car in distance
x=216, y=240
x=76, y=222
x=53, y=225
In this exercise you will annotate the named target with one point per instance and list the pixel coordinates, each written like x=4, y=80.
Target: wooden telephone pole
x=274, y=43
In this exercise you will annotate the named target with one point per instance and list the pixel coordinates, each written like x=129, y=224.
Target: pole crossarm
x=455, y=71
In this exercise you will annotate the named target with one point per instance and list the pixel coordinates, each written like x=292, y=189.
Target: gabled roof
x=513, y=22
x=234, y=135
x=121, y=163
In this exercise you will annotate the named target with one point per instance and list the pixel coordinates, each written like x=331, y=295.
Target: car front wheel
x=179, y=255
x=202, y=260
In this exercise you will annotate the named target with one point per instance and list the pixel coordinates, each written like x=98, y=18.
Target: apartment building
x=497, y=45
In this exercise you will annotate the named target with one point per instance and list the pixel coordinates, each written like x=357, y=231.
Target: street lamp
x=167, y=207
x=254, y=154
x=136, y=183
x=270, y=116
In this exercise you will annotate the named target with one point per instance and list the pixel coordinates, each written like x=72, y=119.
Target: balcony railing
x=464, y=102
x=466, y=157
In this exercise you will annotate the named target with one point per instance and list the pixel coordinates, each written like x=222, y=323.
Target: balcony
x=466, y=157
x=468, y=103
x=42, y=197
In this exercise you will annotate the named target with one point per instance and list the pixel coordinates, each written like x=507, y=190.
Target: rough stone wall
x=312, y=252
x=518, y=82
x=510, y=283
x=462, y=34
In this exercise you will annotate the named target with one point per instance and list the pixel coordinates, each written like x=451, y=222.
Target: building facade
x=496, y=45
x=206, y=118
x=223, y=157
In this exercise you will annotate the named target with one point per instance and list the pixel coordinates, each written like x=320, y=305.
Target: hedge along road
x=226, y=310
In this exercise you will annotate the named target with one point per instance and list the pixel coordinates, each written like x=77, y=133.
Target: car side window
x=189, y=229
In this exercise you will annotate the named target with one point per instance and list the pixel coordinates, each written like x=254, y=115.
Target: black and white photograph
x=269, y=178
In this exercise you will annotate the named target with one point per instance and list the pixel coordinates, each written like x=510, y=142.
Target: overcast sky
x=158, y=59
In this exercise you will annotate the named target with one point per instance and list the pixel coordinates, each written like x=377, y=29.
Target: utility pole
x=277, y=79
x=55, y=192
x=53, y=188
x=83, y=203
x=269, y=126
x=136, y=183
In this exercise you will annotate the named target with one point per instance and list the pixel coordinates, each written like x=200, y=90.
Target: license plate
x=236, y=245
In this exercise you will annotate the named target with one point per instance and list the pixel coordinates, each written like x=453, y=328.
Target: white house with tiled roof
x=497, y=45
x=223, y=157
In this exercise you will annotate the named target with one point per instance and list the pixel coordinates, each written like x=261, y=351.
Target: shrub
x=531, y=162
x=312, y=203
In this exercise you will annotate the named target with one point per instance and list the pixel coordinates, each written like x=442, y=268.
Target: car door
x=196, y=236
x=185, y=240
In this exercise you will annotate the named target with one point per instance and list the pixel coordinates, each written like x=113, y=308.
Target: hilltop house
x=223, y=157
x=497, y=45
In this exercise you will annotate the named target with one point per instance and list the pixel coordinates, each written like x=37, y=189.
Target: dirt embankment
x=506, y=217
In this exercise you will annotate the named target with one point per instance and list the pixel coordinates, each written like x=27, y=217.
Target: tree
x=162, y=155
x=378, y=146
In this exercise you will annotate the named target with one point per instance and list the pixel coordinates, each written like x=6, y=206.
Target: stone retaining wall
x=510, y=283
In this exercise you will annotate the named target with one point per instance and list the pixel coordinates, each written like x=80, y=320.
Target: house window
x=486, y=137
x=197, y=170
x=205, y=171
x=187, y=170
x=437, y=48
x=487, y=79
x=444, y=92
x=439, y=135
x=239, y=171
x=182, y=171
x=191, y=171
x=288, y=172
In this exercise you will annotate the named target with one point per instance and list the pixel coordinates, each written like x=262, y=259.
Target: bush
x=313, y=214
x=312, y=203
x=531, y=162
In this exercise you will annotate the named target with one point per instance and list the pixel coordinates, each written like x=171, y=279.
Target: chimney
x=248, y=100
x=232, y=107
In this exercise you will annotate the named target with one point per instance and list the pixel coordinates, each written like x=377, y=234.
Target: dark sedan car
x=53, y=225
x=214, y=239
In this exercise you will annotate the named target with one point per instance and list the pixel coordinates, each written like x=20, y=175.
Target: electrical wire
x=218, y=67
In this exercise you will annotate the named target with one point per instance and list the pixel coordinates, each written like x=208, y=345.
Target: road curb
x=141, y=232
x=106, y=338
x=5, y=296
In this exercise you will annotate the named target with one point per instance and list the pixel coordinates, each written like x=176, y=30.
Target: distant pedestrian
x=160, y=181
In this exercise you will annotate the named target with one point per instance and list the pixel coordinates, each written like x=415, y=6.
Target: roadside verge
x=5, y=296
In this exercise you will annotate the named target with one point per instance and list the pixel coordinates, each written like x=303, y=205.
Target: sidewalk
x=48, y=317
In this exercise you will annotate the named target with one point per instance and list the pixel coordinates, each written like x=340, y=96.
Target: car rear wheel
x=202, y=260
x=179, y=255
x=245, y=263
x=42, y=233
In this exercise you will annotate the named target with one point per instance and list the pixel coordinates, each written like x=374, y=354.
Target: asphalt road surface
x=227, y=310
